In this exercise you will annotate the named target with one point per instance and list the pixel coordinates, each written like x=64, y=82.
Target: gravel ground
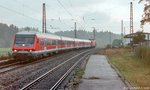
x=52, y=78
x=16, y=79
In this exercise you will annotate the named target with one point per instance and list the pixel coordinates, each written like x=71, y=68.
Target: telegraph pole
x=75, y=30
x=94, y=33
x=44, y=19
x=131, y=18
x=122, y=31
x=110, y=39
x=124, y=34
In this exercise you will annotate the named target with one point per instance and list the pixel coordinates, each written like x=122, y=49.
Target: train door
x=45, y=44
x=56, y=44
x=37, y=44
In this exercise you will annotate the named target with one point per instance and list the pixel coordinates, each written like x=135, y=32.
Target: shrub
x=143, y=52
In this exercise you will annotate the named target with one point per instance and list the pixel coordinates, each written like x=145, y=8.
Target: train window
x=53, y=42
x=68, y=42
x=26, y=40
x=62, y=42
x=48, y=42
x=65, y=42
x=59, y=42
x=42, y=41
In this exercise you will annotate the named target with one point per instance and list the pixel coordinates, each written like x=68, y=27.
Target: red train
x=28, y=44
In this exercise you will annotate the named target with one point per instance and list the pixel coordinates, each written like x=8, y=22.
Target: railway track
x=55, y=76
x=19, y=64
x=3, y=63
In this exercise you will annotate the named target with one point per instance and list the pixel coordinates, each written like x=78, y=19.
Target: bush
x=108, y=46
x=7, y=56
x=143, y=52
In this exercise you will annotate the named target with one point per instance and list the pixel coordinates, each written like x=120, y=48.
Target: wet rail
x=51, y=74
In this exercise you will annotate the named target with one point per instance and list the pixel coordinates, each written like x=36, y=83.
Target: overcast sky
x=105, y=15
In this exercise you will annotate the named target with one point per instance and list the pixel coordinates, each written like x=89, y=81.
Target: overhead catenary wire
x=65, y=9
x=25, y=5
x=19, y=13
x=69, y=12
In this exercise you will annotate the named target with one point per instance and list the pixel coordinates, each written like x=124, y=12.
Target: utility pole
x=94, y=33
x=44, y=19
x=124, y=34
x=110, y=38
x=75, y=30
x=131, y=18
x=122, y=31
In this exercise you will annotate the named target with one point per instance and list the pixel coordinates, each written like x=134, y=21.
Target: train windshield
x=24, y=40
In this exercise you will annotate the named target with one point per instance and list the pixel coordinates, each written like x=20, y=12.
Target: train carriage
x=30, y=44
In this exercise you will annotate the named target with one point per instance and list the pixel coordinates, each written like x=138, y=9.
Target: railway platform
x=99, y=75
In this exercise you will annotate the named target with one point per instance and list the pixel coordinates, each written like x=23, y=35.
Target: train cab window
x=25, y=40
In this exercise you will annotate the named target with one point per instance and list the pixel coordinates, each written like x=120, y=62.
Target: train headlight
x=30, y=50
x=15, y=50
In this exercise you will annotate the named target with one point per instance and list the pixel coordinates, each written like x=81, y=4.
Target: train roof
x=26, y=33
x=52, y=36
x=67, y=38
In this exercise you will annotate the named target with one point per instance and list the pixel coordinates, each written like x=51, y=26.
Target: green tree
x=117, y=42
x=138, y=38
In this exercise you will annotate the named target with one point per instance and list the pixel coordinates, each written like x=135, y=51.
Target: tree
x=117, y=42
x=138, y=38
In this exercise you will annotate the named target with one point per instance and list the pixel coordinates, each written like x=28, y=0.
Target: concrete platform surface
x=99, y=75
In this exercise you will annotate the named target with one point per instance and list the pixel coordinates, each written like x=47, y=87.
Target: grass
x=136, y=71
x=4, y=53
x=77, y=76
x=5, y=49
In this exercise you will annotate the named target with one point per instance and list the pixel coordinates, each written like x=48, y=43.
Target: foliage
x=134, y=70
x=6, y=34
x=138, y=38
x=143, y=53
x=29, y=29
x=108, y=46
x=117, y=42
x=142, y=0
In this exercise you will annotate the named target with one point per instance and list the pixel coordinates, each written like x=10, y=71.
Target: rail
x=34, y=82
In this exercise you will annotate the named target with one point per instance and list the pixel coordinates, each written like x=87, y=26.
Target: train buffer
x=99, y=75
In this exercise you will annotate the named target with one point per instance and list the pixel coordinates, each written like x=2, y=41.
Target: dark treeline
x=7, y=32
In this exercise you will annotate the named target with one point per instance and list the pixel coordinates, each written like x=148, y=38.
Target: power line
x=65, y=9
x=68, y=12
x=25, y=5
x=19, y=13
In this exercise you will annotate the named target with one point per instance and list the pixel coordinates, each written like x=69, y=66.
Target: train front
x=23, y=45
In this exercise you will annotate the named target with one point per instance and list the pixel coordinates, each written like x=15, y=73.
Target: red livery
x=26, y=44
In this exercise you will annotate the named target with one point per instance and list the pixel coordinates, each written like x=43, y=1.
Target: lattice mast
x=131, y=18
x=44, y=19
